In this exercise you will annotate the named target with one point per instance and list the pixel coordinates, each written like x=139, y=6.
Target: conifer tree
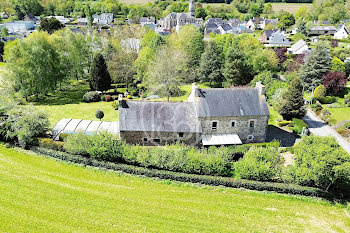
x=316, y=65
x=292, y=103
x=210, y=69
x=100, y=79
x=236, y=71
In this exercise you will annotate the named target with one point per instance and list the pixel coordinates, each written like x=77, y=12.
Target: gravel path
x=320, y=128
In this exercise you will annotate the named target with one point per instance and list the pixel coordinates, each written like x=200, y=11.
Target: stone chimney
x=191, y=8
x=192, y=95
x=260, y=87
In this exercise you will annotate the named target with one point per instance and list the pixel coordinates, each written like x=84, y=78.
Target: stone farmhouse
x=210, y=117
x=178, y=20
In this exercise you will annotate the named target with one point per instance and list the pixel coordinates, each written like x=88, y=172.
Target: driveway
x=320, y=128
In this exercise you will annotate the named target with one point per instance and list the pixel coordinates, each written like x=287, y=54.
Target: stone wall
x=137, y=137
x=242, y=128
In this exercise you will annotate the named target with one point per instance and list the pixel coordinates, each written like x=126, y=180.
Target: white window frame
x=250, y=137
x=235, y=124
x=217, y=125
x=249, y=124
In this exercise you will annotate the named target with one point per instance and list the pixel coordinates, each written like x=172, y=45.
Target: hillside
x=43, y=195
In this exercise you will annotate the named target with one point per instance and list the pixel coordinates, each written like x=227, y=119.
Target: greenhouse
x=88, y=127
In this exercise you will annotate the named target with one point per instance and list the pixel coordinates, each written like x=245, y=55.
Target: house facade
x=322, y=30
x=342, y=33
x=224, y=116
x=19, y=27
x=274, y=38
x=178, y=20
x=300, y=47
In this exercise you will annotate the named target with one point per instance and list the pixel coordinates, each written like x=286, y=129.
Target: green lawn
x=274, y=116
x=43, y=195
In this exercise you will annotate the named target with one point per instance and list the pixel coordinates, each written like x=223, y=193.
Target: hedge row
x=183, y=177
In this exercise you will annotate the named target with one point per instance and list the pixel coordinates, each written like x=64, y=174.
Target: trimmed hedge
x=183, y=177
x=284, y=123
x=327, y=99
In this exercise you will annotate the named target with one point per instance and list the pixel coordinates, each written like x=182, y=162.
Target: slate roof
x=226, y=27
x=239, y=101
x=268, y=33
x=299, y=44
x=158, y=116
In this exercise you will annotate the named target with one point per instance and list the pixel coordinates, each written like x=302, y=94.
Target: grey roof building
x=225, y=116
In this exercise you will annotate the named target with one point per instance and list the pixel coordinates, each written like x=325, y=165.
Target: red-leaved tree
x=297, y=62
x=334, y=81
x=281, y=55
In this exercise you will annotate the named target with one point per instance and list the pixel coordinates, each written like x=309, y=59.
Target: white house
x=299, y=47
x=342, y=33
x=19, y=27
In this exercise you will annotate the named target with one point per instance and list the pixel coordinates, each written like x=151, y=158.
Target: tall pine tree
x=292, y=103
x=236, y=71
x=100, y=79
x=316, y=65
x=210, y=69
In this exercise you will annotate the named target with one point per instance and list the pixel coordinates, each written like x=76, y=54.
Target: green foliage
x=292, y=102
x=100, y=79
x=320, y=91
x=50, y=25
x=91, y=96
x=34, y=64
x=337, y=64
x=299, y=124
x=116, y=105
x=286, y=20
x=20, y=124
x=183, y=177
x=51, y=144
x=322, y=163
x=103, y=146
x=210, y=69
x=4, y=32
x=315, y=66
x=99, y=114
x=327, y=99
x=236, y=70
x=263, y=164
x=63, y=136
x=347, y=99
x=284, y=123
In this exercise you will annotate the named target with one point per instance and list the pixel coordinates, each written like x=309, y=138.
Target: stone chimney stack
x=191, y=8
x=192, y=95
x=260, y=87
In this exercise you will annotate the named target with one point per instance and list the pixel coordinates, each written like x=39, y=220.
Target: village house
x=210, y=117
x=146, y=21
x=274, y=38
x=35, y=19
x=19, y=27
x=178, y=20
x=260, y=23
x=342, y=33
x=103, y=19
x=322, y=30
x=300, y=47
x=63, y=20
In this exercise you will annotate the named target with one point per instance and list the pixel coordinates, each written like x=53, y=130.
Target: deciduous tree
x=334, y=81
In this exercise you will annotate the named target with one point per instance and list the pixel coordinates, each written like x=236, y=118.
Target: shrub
x=259, y=163
x=99, y=114
x=134, y=92
x=284, y=123
x=182, y=177
x=103, y=98
x=108, y=98
x=51, y=144
x=299, y=124
x=116, y=105
x=91, y=96
x=77, y=144
x=321, y=162
x=320, y=91
x=347, y=100
x=327, y=99
x=334, y=81
x=63, y=136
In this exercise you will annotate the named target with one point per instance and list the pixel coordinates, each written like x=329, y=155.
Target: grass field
x=136, y=1
x=289, y=7
x=43, y=195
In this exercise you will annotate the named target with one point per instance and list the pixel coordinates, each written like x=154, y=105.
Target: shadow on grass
x=72, y=94
x=287, y=139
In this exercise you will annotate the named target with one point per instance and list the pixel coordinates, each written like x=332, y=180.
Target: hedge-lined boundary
x=183, y=177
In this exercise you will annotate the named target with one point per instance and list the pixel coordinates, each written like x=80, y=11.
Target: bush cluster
x=183, y=177
x=179, y=158
x=327, y=99
x=51, y=144
x=91, y=96
x=284, y=123
x=347, y=100
x=299, y=124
